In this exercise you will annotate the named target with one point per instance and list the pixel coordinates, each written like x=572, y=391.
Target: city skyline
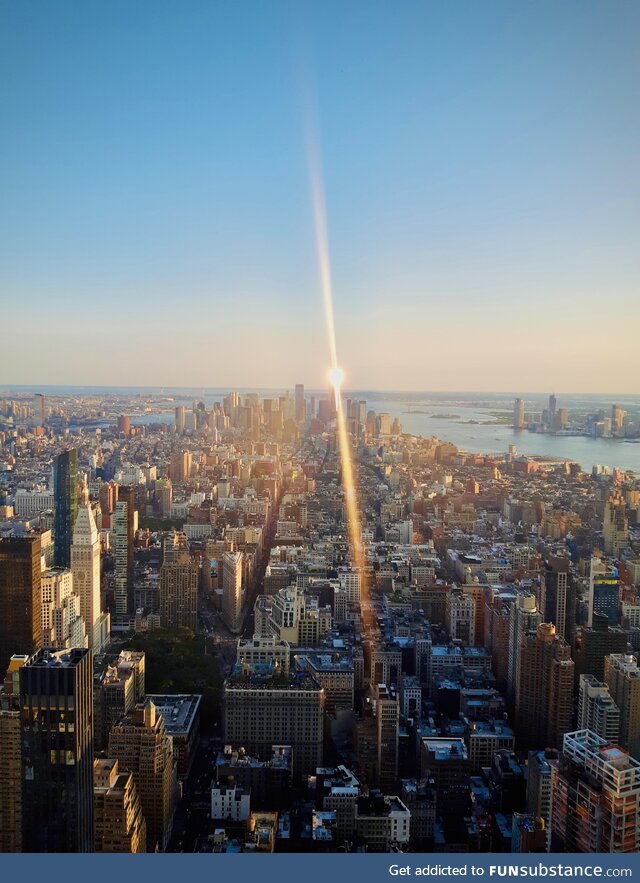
x=479, y=173
x=298, y=626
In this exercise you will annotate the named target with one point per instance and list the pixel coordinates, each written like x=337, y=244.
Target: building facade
x=596, y=797
x=65, y=491
x=544, y=692
x=264, y=711
x=141, y=745
x=85, y=567
x=20, y=597
x=118, y=822
x=178, y=585
x=622, y=677
x=57, y=751
x=232, y=591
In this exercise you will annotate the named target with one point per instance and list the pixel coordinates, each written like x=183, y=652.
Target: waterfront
x=491, y=437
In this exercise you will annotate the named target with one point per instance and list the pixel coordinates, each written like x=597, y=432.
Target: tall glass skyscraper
x=65, y=490
x=56, y=695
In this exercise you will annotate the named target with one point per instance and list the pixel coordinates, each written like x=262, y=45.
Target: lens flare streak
x=336, y=374
x=349, y=490
x=322, y=246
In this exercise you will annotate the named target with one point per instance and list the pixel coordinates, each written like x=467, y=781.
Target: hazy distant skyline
x=482, y=189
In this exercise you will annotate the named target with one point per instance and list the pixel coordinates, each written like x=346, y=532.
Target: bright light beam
x=336, y=375
x=322, y=241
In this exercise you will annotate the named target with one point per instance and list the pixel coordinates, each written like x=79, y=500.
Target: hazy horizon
x=309, y=390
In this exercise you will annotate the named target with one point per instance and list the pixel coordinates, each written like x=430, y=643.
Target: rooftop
x=269, y=681
x=179, y=711
x=445, y=749
x=326, y=662
x=59, y=659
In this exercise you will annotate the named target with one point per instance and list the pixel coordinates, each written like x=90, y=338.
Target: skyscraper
x=85, y=567
x=558, y=596
x=232, y=591
x=544, y=691
x=127, y=494
x=65, y=491
x=383, y=424
x=180, y=466
x=124, y=424
x=604, y=591
x=20, y=597
x=108, y=497
x=518, y=414
x=57, y=751
x=622, y=676
x=388, y=725
x=524, y=617
x=141, y=745
x=445, y=761
x=120, y=520
x=593, y=644
x=596, y=797
x=596, y=709
x=179, y=413
x=617, y=418
x=39, y=403
x=178, y=585
x=164, y=496
x=125, y=515
x=540, y=766
x=11, y=759
x=615, y=525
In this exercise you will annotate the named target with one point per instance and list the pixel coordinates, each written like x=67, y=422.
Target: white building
x=599, y=810
x=26, y=504
x=263, y=651
x=85, y=567
x=596, y=709
x=62, y=626
x=351, y=583
x=383, y=821
x=121, y=545
x=232, y=591
x=461, y=616
x=631, y=612
x=230, y=802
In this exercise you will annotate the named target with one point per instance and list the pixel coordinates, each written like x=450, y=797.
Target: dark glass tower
x=558, y=597
x=20, y=597
x=56, y=699
x=65, y=490
x=127, y=494
x=593, y=644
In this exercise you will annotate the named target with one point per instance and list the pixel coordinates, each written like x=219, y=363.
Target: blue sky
x=480, y=164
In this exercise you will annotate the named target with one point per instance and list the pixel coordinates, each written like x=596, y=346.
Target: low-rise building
x=382, y=821
x=230, y=801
